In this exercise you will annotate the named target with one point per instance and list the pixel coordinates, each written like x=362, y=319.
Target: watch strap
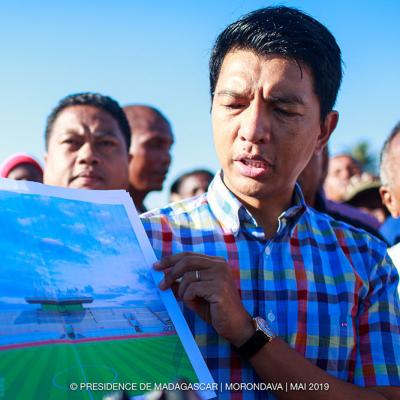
x=253, y=345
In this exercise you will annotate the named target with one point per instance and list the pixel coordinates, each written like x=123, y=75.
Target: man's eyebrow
x=286, y=99
x=231, y=93
x=106, y=132
x=70, y=132
x=290, y=99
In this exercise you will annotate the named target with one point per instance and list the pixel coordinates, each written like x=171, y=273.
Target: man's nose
x=165, y=157
x=345, y=174
x=87, y=154
x=255, y=126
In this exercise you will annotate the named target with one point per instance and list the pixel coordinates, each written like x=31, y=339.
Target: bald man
x=151, y=142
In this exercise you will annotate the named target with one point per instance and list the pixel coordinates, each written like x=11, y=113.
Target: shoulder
x=189, y=213
x=352, y=240
x=177, y=210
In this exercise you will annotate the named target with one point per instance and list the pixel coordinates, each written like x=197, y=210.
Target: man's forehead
x=147, y=134
x=242, y=67
x=151, y=122
x=82, y=114
x=153, y=127
x=343, y=159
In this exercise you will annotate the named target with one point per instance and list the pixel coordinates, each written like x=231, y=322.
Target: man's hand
x=212, y=293
x=206, y=285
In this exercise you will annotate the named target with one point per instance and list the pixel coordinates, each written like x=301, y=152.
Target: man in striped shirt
x=274, y=291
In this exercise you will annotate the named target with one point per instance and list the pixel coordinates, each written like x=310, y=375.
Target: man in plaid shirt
x=273, y=291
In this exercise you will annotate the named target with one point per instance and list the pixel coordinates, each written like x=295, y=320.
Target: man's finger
x=173, y=259
x=188, y=264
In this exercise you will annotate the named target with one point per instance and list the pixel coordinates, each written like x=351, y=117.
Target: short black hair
x=289, y=33
x=97, y=100
x=176, y=185
x=385, y=171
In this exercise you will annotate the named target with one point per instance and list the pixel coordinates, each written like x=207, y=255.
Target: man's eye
x=72, y=142
x=106, y=143
x=234, y=106
x=155, y=146
x=285, y=113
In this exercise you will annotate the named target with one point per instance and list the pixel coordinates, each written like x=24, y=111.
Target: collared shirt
x=326, y=288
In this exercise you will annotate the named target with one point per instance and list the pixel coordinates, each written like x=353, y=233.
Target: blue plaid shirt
x=326, y=288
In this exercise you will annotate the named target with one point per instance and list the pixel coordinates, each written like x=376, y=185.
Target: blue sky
x=58, y=247
x=157, y=53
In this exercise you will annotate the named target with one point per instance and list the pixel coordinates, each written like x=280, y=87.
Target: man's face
x=266, y=122
x=390, y=193
x=340, y=170
x=86, y=150
x=151, y=144
x=194, y=185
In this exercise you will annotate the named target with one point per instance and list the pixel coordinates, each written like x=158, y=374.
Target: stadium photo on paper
x=78, y=304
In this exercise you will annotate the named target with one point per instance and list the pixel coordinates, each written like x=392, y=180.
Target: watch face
x=262, y=325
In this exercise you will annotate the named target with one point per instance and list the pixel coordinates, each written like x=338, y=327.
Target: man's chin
x=93, y=185
x=246, y=186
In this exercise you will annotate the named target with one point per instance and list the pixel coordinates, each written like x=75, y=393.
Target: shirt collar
x=232, y=214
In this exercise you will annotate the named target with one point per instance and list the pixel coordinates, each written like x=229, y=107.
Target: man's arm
x=211, y=292
x=278, y=362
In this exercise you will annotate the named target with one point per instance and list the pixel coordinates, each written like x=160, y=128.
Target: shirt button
x=268, y=250
x=271, y=316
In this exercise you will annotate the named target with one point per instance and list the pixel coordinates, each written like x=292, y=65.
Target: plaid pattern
x=326, y=288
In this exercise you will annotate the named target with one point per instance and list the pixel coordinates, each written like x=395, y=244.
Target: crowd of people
x=280, y=259
x=93, y=143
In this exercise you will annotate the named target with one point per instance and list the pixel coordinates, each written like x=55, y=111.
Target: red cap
x=17, y=159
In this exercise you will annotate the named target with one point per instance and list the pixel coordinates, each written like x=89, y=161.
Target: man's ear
x=328, y=125
x=389, y=201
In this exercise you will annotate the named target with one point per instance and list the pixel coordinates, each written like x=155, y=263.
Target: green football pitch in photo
x=47, y=371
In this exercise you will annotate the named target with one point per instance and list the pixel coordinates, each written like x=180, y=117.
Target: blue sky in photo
x=58, y=248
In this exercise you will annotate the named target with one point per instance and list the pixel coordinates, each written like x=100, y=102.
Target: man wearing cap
x=363, y=193
x=21, y=166
x=273, y=290
x=311, y=181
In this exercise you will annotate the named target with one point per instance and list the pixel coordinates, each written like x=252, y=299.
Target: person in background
x=340, y=170
x=190, y=184
x=152, y=140
x=390, y=185
x=363, y=194
x=273, y=290
x=311, y=181
x=21, y=167
x=87, y=140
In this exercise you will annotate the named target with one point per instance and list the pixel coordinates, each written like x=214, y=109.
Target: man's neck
x=267, y=211
x=138, y=198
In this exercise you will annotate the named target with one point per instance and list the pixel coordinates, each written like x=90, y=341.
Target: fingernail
x=161, y=285
x=156, y=265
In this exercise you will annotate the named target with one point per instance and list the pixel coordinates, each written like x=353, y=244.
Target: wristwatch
x=263, y=334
